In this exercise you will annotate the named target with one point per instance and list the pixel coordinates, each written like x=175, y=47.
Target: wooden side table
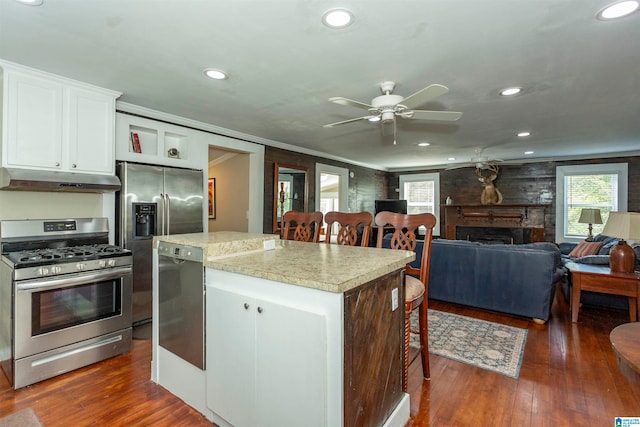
x=625, y=340
x=595, y=278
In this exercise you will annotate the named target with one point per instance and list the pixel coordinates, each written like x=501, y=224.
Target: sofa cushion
x=585, y=248
x=593, y=259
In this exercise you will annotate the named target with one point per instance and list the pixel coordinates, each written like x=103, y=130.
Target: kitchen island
x=296, y=334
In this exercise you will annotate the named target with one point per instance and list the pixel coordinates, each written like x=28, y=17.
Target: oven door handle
x=66, y=282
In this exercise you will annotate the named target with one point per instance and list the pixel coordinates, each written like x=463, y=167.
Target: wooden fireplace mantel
x=506, y=216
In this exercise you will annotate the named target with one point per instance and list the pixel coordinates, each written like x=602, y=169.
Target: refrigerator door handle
x=167, y=207
x=163, y=209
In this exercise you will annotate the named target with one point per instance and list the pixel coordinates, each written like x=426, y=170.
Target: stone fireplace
x=510, y=224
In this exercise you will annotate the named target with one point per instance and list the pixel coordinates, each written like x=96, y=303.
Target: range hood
x=37, y=180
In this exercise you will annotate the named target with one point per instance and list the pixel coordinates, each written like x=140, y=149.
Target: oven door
x=62, y=310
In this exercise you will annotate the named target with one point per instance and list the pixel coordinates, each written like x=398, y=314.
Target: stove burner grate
x=66, y=254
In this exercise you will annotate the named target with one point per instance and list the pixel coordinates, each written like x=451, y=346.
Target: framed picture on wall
x=212, y=198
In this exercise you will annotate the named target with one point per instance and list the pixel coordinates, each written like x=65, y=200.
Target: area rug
x=24, y=418
x=487, y=345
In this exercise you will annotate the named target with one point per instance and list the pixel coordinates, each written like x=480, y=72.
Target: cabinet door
x=91, y=121
x=291, y=366
x=230, y=356
x=34, y=122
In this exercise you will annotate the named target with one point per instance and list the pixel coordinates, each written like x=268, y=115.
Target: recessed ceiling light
x=528, y=152
x=618, y=10
x=451, y=159
x=215, y=74
x=337, y=18
x=524, y=134
x=423, y=144
x=510, y=91
x=30, y=2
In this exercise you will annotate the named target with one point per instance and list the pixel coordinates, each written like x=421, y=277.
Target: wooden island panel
x=373, y=351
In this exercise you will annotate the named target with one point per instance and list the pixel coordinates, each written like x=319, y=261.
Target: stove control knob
x=80, y=266
x=56, y=270
x=43, y=271
x=111, y=263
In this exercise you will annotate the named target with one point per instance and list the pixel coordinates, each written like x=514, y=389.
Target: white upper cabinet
x=144, y=140
x=53, y=123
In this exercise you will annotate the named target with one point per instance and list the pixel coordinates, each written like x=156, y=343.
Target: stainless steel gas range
x=65, y=297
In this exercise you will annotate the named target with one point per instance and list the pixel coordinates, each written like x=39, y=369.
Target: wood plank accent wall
x=366, y=185
x=373, y=351
x=530, y=183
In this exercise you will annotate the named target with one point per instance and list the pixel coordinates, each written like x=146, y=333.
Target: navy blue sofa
x=513, y=279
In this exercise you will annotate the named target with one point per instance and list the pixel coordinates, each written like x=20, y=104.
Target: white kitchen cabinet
x=270, y=363
x=159, y=143
x=54, y=123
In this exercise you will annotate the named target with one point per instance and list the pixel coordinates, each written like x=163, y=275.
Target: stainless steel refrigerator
x=154, y=201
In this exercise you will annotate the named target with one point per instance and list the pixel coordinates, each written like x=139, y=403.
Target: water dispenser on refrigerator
x=145, y=215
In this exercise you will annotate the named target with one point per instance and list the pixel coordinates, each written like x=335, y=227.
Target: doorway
x=332, y=189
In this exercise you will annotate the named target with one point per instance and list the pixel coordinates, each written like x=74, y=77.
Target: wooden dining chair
x=349, y=224
x=302, y=226
x=404, y=229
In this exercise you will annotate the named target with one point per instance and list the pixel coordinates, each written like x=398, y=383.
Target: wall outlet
x=394, y=299
x=269, y=245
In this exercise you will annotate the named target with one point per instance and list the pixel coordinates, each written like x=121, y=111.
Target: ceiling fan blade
x=444, y=116
x=350, y=102
x=423, y=96
x=458, y=166
x=330, y=125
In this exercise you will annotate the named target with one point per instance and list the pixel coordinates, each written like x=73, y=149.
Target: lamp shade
x=590, y=216
x=623, y=225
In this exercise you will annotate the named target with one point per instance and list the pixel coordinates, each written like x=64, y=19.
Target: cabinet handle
x=73, y=165
x=57, y=164
x=246, y=306
x=259, y=309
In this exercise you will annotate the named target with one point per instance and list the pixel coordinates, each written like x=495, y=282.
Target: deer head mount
x=490, y=195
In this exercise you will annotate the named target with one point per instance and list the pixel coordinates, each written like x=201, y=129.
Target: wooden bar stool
x=347, y=233
x=405, y=229
x=302, y=226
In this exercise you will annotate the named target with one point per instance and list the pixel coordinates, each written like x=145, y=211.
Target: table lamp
x=590, y=216
x=625, y=226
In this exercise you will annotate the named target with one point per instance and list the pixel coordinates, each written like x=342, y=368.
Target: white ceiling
x=581, y=76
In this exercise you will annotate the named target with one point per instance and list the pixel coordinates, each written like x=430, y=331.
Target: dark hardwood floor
x=569, y=377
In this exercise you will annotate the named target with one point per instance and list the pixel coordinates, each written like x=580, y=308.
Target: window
x=601, y=186
x=422, y=193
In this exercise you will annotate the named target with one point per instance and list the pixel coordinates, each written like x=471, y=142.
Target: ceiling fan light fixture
x=528, y=152
x=618, y=10
x=388, y=116
x=510, y=91
x=337, y=18
x=214, y=74
x=374, y=119
x=524, y=134
x=423, y=144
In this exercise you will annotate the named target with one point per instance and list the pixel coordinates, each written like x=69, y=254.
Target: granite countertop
x=220, y=243
x=331, y=268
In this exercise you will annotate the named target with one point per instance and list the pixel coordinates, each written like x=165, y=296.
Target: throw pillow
x=585, y=248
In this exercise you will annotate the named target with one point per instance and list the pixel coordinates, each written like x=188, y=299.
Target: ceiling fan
x=478, y=161
x=385, y=108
